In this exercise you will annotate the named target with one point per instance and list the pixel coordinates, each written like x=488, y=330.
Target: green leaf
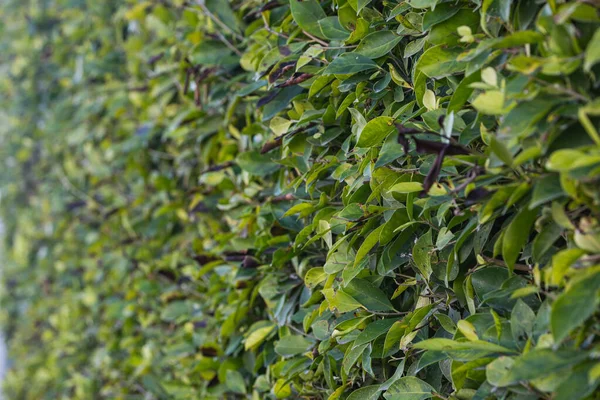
x=538, y=363
x=383, y=83
x=439, y=62
x=375, y=132
x=592, y=52
x=422, y=254
x=463, y=92
x=365, y=393
x=445, y=32
x=359, y=32
x=319, y=84
x=292, y=345
x=348, y=326
x=301, y=208
x=579, y=384
x=517, y=235
x=521, y=322
x=444, y=237
x=352, y=355
x=520, y=119
x=576, y=305
x=450, y=345
x=348, y=101
x=378, y=44
x=353, y=212
x=349, y=63
x=419, y=317
x=235, y=382
x=370, y=296
x=544, y=241
x=393, y=336
x=546, y=189
x=423, y=3
x=352, y=270
x=332, y=29
x=441, y=13
x=223, y=10
x=397, y=375
x=340, y=300
x=390, y=151
x=429, y=100
x=339, y=259
x=414, y=47
x=561, y=262
x=367, y=245
x=358, y=5
x=409, y=388
x=398, y=218
x=569, y=159
x=527, y=155
x=468, y=330
x=176, y=311
x=307, y=14
x=446, y=322
x=135, y=195
x=280, y=102
x=314, y=276
x=374, y=330
x=490, y=102
x=501, y=151
x=407, y=187
x=258, y=336
x=516, y=39
x=498, y=370
x=282, y=389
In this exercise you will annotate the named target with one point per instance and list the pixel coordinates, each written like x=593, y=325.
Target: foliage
x=354, y=199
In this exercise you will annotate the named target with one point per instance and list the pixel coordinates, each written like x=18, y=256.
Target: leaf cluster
x=339, y=199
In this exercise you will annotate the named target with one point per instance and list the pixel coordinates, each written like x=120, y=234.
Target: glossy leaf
x=378, y=44
x=409, y=388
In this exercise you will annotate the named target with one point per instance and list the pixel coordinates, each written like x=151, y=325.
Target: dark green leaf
x=349, y=63
x=369, y=295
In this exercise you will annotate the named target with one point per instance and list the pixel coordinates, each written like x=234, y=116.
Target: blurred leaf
x=575, y=305
x=292, y=345
x=409, y=388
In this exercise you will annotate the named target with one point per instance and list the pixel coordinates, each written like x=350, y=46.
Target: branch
x=316, y=39
x=518, y=267
x=217, y=20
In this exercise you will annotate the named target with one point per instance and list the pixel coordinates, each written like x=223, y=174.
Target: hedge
x=340, y=199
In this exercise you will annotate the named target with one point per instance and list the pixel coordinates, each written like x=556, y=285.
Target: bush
x=299, y=199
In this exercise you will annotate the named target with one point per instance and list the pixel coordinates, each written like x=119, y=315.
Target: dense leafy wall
x=353, y=199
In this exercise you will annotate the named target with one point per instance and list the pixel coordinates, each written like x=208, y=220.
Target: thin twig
x=583, y=261
x=338, y=47
x=75, y=191
x=561, y=89
x=316, y=39
x=229, y=44
x=292, y=327
x=472, y=176
x=268, y=28
x=388, y=313
x=217, y=20
x=518, y=267
x=162, y=154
